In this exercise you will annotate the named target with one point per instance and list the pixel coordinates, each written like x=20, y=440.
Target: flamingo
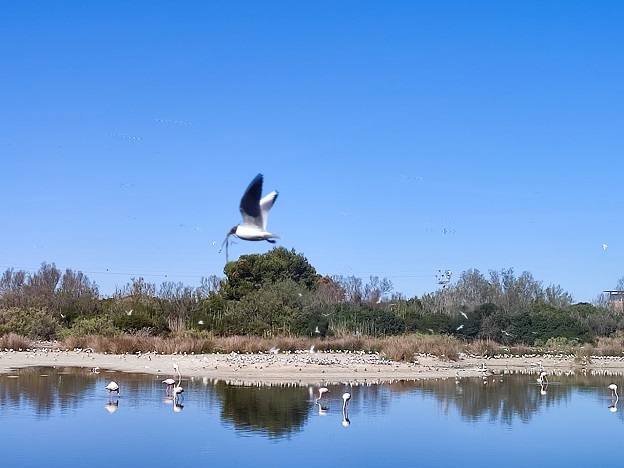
x=170, y=383
x=112, y=387
x=322, y=391
x=613, y=407
x=345, y=409
x=177, y=390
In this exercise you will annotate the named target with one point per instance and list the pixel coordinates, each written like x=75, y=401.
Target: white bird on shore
x=312, y=349
x=112, y=387
x=255, y=212
x=345, y=409
x=322, y=391
x=274, y=350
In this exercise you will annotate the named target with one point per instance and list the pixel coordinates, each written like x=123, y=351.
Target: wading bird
x=255, y=212
x=169, y=383
x=112, y=387
x=542, y=378
x=322, y=391
x=177, y=390
x=345, y=409
x=616, y=398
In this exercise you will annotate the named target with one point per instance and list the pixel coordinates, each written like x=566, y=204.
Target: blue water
x=59, y=417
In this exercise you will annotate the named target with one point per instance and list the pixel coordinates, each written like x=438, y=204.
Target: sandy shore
x=302, y=367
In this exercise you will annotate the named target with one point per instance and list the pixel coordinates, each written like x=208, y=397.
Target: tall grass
x=15, y=342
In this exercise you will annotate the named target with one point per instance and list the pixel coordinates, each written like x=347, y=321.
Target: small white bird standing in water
x=255, y=212
x=542, y=378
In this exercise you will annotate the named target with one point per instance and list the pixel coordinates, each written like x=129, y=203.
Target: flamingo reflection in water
x=112, y=406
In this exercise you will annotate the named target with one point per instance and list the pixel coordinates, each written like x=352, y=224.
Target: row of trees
x=281, y=293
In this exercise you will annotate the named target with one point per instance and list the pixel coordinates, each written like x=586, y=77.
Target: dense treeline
x=280, y=293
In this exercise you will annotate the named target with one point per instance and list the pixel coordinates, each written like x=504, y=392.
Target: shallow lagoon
x=57, y=417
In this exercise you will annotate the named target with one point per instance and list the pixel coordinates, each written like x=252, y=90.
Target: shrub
x=32, y=322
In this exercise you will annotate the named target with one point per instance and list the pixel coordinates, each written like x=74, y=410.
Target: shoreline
x=303, y=367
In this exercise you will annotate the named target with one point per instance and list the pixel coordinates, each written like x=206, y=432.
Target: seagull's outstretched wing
x=250, y=203
x=265, y=205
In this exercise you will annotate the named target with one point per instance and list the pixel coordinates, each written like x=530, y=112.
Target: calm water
x=62, y=417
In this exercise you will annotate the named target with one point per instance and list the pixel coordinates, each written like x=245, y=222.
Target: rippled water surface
x=63, y=417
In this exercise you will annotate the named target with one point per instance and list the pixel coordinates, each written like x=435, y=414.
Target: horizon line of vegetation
x=279, y=293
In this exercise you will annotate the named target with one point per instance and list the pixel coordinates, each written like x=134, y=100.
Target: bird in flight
x=255, y=213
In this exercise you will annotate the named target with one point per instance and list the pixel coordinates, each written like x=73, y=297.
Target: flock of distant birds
x=542, y=380
x=174, y=391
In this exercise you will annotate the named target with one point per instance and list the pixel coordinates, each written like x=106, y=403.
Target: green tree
x=251, y=272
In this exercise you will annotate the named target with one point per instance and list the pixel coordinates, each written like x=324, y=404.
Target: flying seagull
x=255, y=212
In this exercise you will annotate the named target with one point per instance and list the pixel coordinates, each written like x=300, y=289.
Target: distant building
x=616, y=299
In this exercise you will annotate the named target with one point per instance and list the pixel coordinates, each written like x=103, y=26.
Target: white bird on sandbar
x=255, y=212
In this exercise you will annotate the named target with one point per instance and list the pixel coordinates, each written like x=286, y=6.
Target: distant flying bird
x=200, y=322
x=459, y=328
x=464, y=314
x=604, y=247
x=255, y=213
x=129, y=313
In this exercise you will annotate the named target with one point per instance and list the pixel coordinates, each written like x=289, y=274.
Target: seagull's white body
x=254, y=210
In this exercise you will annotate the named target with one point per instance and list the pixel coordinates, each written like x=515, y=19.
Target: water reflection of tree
x=276, y=411
x=62, y=388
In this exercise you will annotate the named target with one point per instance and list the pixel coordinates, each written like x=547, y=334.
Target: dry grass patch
x=15, y=342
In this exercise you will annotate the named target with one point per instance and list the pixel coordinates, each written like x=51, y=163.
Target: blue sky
x=403, y=137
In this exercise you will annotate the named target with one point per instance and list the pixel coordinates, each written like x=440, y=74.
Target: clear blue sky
x=129, y=130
